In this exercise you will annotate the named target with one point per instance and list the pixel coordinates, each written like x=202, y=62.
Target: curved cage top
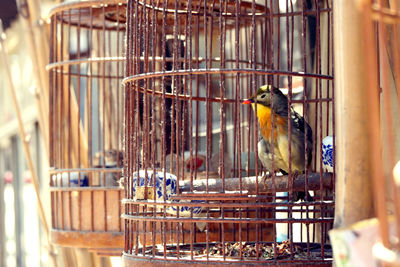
x=105, y=14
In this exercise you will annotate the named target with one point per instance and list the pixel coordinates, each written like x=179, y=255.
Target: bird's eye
x=262, y=96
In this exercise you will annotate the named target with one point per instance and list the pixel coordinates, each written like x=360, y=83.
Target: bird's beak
x=247, y=101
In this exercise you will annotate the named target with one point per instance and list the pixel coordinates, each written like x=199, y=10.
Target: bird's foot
x=300, y=195
x=295, y=174
x=265, y=177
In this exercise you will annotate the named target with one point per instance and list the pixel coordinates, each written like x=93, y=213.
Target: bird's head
x=262, y=96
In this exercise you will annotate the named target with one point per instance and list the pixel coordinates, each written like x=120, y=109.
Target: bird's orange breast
x=264, y=118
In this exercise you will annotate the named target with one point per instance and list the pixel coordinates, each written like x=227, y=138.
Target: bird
x=271, y=101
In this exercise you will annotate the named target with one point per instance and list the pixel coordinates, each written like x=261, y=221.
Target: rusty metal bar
x=159, y=260
x=224, y=71
x=225, y=220
x=228, y=205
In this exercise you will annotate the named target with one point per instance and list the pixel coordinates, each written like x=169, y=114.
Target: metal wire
x=194, y=190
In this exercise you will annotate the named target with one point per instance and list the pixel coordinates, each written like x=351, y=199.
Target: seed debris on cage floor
x=249, y=251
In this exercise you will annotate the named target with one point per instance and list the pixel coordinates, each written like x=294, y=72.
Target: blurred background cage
x=194, y=191
x=86, y=118
x=381, y=27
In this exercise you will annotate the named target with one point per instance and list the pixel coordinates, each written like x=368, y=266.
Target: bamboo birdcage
x=380, y=26
x=86, y=117
x=194, y=191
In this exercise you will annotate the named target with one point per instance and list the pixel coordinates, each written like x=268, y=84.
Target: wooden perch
x=249, y=184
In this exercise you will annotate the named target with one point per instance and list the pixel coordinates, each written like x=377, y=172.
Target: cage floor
x=233, y=251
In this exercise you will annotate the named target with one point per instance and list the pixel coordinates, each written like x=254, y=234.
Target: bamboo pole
x=41, y=90
x=25, y=143
x=38, y=32
x=353, y=152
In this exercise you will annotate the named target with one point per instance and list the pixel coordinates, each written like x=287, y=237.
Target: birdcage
x=380, y=26
x=86, y=117
x=196, y=191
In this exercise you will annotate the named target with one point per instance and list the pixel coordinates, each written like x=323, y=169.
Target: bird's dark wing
x=300, y=124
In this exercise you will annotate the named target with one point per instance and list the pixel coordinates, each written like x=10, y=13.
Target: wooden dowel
x=249, y=184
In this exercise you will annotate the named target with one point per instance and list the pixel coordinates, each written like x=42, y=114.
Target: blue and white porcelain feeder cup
x=170, y=181
x=327, y=153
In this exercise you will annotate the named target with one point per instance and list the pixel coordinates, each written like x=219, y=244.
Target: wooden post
x=353, y=173
x=39, y=59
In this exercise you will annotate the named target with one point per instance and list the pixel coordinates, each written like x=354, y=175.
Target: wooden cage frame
x=86, y=114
